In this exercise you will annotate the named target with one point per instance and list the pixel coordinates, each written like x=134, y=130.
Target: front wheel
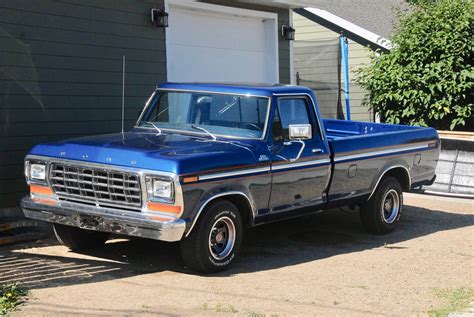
x=381, y=213
x=215, y=241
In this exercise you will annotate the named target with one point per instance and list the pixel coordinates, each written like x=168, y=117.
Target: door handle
x=315, y=151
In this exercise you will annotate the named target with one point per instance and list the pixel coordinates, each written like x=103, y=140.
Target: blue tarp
x=345, y=72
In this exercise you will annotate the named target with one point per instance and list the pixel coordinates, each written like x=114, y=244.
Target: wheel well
x=243, y=204
x=400, y=174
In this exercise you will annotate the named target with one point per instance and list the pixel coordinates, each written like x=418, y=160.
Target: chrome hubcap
x=222, y=238
x=391, y=206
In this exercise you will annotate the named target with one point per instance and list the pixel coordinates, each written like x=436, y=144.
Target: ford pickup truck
x=206, y=161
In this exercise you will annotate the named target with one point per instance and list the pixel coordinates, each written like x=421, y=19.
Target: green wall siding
x=61, y=74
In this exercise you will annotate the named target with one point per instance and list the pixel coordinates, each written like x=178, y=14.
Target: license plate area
x=90, y=222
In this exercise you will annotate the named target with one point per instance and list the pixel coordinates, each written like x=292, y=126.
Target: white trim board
x=370, y=37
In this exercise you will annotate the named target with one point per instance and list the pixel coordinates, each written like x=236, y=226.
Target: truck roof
x=256, y=89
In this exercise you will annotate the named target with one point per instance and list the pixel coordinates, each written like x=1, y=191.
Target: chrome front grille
x=96, y=185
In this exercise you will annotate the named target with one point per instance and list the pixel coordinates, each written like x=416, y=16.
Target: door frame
x=270, y=20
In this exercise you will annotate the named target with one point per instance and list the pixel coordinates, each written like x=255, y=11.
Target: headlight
x=160, y=189
x=37, y=172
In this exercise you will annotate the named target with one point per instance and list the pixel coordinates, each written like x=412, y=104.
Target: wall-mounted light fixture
x=159, y=17
x=288, y=32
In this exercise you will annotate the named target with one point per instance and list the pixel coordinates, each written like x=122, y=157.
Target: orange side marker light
x=190, y=179
x=42, y=190
x=163, y=208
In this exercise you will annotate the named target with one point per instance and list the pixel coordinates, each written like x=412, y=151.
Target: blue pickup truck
x=205, y=161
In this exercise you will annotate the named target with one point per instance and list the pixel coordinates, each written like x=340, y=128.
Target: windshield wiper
x=154, y=126
x=202, y=129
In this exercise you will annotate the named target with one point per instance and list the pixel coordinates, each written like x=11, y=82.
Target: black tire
x=200, y=250
x=381, y=213
x=79, y=239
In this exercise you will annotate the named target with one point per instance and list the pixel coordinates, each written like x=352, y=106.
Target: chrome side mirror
x=300, y=132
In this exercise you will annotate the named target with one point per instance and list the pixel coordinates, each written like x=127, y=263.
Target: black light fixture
x=159, y=17
x=288, y=32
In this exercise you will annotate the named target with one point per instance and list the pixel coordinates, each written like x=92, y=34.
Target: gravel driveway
x=317, y=265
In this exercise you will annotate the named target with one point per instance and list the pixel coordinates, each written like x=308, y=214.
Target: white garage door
x=220, y=44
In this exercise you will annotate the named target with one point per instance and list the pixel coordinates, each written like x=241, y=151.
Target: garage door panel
x=221, y=47
x=211, y=30
x=221, y=67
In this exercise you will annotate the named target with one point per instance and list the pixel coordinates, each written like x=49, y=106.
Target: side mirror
x=300, y=131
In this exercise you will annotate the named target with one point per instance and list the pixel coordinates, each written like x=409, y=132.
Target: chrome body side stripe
x=261, y=169
x=300, y=164
x=382, y=152
x=234, y=173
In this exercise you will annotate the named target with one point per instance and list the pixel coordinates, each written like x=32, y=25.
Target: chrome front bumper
x=104, y=219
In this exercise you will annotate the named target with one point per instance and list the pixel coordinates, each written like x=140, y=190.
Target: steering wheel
x=254, y=126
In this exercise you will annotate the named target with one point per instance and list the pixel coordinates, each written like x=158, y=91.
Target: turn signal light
x=190, y=179
x=164, y=208
x=41, y=190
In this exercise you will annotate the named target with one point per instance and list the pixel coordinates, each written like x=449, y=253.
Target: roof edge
x=354, y=32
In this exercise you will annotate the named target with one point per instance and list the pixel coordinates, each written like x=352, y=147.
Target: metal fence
x=455, y=170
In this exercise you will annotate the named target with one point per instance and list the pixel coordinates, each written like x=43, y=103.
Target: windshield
x=207, y=113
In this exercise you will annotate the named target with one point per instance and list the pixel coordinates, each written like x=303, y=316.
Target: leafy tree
x=427, y=78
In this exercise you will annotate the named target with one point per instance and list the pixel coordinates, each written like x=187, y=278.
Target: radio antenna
x=123, y=93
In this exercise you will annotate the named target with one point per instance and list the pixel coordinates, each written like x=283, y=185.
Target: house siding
x=307, y=30
x=61, y=72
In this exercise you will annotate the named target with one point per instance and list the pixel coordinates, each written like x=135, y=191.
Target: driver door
x=300, y=167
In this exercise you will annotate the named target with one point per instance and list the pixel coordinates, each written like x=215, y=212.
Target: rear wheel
x=215, y=241
x=79, y=239
x=381, y=213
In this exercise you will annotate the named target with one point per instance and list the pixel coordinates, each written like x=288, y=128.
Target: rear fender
x=397, y=168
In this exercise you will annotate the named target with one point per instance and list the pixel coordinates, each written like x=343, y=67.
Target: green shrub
x=10, y=297
x=427, y=78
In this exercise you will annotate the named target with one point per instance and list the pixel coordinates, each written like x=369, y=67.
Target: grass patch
x=11, y=296
x=220, y=308
x=456, y=300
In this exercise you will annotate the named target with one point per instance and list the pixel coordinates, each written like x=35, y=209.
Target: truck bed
x=336, y=129
x=362, y=151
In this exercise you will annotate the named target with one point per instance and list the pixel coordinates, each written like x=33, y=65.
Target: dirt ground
x=317, y=265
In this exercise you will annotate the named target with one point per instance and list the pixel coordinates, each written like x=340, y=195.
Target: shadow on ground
x=266, y=247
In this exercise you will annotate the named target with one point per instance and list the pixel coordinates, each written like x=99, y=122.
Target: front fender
x=198, y=197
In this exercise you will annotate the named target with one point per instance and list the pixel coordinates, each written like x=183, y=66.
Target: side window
x=277, y=130
x=289, y=111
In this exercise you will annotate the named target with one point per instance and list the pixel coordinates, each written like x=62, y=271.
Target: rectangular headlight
x=37, y=172
x=160, y=189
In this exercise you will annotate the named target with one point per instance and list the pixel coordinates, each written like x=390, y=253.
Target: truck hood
x=170, y=152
